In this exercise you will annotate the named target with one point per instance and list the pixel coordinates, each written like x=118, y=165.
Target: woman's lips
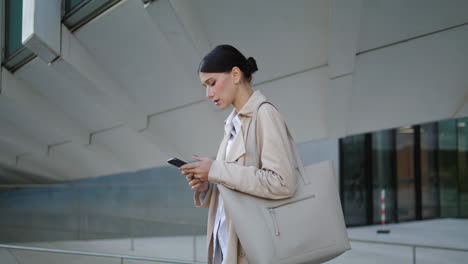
x=216, y=102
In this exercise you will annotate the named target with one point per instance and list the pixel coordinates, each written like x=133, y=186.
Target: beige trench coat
x=275, y=179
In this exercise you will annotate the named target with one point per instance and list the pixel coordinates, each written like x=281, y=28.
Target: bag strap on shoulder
x=253, y=144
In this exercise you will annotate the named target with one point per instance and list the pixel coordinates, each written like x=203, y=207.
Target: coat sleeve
x=276, y=176
x=202, y=199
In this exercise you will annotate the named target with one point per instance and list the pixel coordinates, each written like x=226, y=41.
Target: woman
x=227, y=76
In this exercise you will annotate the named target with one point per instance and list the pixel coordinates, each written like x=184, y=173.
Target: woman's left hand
x=198, y=169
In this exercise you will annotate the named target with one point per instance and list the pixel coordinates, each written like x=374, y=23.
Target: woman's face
x=220, y=87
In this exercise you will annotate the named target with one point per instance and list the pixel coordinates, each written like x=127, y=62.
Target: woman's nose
x=209, y=92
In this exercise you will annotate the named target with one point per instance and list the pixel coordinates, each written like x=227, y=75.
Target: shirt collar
x=248, y=108
x=232, y=120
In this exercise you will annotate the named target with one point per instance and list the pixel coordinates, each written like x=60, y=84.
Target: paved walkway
x=446, y=233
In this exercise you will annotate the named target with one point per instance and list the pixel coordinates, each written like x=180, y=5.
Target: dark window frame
x=21, y=56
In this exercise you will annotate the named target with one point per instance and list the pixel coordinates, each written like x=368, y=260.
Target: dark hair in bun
x=223, y=57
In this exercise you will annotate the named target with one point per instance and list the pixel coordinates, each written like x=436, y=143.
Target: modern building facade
x=96, y=95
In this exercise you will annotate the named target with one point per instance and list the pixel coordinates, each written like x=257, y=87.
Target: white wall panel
x=418, y=81
x=95, y=163
x=135, y=149
x=337, y=106
x=34, y=114
x=128, y=43
x=301, y=100
x=45, y=166
x=195, y=129
x=77, y=96
x=344, y=33
x=22, y=142
x=283, y=36
x=384, y=22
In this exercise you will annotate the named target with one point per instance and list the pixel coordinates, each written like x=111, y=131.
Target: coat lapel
x=222, y=148
x=237, y=147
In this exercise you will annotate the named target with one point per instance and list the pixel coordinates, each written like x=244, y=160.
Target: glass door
x=354, y=182
x=448, y=169
x=462, y=127
x=406, y=195
x=429, y=178
x=383, y=175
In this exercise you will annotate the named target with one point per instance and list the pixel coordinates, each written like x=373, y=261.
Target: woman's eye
x=213, y=83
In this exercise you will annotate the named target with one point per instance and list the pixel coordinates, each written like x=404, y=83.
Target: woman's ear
x=236, y=75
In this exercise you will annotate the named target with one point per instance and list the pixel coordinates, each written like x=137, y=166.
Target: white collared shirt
x=220, y=231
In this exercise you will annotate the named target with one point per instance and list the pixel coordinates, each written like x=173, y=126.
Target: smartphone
x=176, y=162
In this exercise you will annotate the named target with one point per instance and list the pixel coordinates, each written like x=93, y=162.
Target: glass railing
x=145, y=214
x=35, y=255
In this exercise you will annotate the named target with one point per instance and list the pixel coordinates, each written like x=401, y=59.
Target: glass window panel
x=447, y=157
x=405, y=173
x=429, y=180
x=354, y=180
x=70, y=4
x=79, y=12
x=383, y=175
x=14, y=17
x=462, y=127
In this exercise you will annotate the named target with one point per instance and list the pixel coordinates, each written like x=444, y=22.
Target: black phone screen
x=176, y=162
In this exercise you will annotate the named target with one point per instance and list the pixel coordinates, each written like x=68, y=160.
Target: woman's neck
x=242, y=97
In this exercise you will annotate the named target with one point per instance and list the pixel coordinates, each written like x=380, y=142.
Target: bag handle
x=252, y=141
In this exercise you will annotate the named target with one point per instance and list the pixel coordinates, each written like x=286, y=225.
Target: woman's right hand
x=197, y=184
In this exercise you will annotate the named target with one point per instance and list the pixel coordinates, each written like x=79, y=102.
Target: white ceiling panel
x=48, y=122
x=344, y=34
x=43, y=165
x=283, y=36
x=23, y=143
x=76, y=97
x=384, y=22
x=338, y=103
x=7, y=158
x=128, y=43
x=301, y=100
x=124, y=95
x=94, y=162
x=419, y=81
x=134, y=148
x=195, y=129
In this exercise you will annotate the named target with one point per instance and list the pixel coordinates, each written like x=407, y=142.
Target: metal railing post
x=194, y=244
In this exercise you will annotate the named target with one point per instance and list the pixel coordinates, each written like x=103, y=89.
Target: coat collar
x=248, y=108
x=238, y=145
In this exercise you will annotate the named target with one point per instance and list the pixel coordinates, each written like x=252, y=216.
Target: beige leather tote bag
x=306, y=228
